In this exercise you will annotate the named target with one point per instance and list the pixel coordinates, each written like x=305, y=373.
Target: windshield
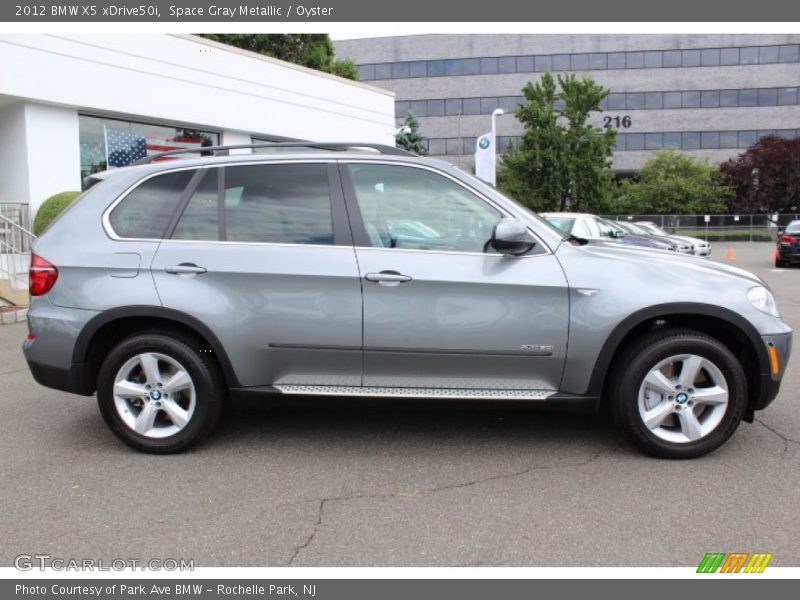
x=652, y=229
x=638, y=229
x=563, y=223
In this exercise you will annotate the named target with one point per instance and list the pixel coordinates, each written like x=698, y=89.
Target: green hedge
x=51, y=208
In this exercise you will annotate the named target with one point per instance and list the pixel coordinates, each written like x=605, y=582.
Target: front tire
x=678, y=393
x=158, y=394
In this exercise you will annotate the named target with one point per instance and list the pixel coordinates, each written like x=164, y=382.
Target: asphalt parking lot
x=346, y=484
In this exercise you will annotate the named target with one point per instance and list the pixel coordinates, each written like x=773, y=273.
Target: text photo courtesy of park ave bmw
x=450, y=305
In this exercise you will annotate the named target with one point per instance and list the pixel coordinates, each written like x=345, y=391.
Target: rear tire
x=780, y=264
x=158, y=394
x=677, y=393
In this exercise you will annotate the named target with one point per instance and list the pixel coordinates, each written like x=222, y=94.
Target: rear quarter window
x=146, y=211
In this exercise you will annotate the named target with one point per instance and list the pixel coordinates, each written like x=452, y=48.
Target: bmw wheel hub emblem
x=681, y=398
x=155, y=395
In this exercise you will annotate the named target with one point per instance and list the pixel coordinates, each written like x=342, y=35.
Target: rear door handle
x=185, y=269
x=387, y=277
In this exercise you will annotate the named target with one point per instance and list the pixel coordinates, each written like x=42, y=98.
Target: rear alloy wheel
x=158, y=395
x=678, y=394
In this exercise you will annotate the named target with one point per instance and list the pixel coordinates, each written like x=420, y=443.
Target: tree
x=673, y=182
x=313, y=50
x=562, y=161
x=412, y=141
x=766, y=177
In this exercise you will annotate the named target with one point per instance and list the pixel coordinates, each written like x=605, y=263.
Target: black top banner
x=465, y=11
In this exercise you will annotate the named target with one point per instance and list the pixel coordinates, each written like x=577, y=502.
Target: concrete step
x=10, y=315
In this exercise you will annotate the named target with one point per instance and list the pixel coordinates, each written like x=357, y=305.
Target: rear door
x=262, y=254
x=441, y=308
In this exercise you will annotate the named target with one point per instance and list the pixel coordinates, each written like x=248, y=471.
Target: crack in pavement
x=786, y=440
x=434, y=490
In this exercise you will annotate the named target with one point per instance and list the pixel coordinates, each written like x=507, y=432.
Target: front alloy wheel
x=683, y=398
x=678, y=393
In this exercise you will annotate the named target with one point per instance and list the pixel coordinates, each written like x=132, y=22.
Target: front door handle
x=185, y=269
x=387, y=278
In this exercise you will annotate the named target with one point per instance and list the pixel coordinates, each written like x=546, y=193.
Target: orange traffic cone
x=774, y=254
x=731, y=253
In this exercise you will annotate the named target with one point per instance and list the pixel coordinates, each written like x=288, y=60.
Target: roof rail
x=224, y=150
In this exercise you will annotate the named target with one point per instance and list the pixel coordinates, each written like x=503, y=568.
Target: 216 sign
x=619, y=122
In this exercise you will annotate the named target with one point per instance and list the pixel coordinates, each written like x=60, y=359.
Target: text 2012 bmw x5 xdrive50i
x=171, y=285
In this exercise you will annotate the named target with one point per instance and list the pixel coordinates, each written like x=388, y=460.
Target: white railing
x=15, y=244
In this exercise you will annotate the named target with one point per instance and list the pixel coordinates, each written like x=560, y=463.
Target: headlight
x=763, y=300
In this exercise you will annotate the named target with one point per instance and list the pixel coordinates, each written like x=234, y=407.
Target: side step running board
x=390, y=392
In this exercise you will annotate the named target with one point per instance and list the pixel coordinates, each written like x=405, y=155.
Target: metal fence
x=18, y=214
x=753, y=228
x=15, y=243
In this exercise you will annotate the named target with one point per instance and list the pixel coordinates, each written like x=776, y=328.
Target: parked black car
x=788, y=245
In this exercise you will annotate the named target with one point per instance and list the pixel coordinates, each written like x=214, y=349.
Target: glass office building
x=710, y=95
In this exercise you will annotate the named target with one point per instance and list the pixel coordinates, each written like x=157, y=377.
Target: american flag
x=123, y=148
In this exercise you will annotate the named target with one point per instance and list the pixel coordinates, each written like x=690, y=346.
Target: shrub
x=51, y=208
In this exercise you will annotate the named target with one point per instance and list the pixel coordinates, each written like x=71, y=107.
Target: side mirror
x=511, y=236
x=618, y=234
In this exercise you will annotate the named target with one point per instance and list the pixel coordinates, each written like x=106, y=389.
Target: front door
x=262, y=254
x=441, y=308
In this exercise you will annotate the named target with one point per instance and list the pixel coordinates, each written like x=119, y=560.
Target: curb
x=13, y=316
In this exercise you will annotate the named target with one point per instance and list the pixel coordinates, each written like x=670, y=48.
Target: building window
x=787, y=96
x=653, y=59
x=524, y=64
x=507, y=64
x=650, y=59
x=672, y=58
x=110, y=143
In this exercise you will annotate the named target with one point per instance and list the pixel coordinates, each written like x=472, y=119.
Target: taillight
x=42, y=275
x=788, y=239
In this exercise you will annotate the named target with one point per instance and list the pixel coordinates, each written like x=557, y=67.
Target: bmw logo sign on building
x=484, y=142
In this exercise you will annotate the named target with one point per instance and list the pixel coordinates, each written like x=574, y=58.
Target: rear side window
x=146, y=211
x=279, y=203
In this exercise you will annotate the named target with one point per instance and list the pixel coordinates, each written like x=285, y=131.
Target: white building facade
x=73, y=104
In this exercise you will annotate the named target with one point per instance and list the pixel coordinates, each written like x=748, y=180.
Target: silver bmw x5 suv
x=171, y=286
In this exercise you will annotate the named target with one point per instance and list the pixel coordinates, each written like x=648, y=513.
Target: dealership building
x=74, y=104
x=709, y=95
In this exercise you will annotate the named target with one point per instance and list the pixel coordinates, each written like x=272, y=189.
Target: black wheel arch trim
x=612, y=343
x=81, y=350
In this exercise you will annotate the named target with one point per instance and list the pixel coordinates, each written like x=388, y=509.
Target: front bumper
x=771, y=381
x=702, y=250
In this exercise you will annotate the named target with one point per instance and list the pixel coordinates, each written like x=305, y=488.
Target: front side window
x=146, y=211
x=279, y=203
x=417, y=209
